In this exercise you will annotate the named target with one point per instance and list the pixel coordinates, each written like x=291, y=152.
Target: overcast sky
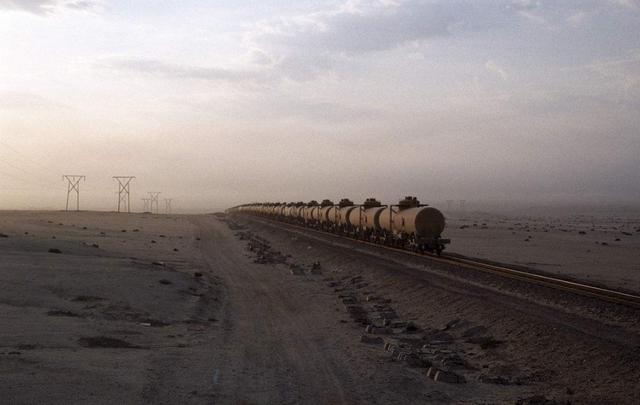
x=216, y=103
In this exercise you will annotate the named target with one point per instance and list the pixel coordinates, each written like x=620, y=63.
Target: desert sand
x=135, y=308
x=598, y=246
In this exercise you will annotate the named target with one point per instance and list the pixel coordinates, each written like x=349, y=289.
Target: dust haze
x=223, y=103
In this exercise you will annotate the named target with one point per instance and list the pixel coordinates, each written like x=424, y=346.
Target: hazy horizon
x=221, y=103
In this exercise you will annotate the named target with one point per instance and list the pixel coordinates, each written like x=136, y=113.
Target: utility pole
x=146, y=204
x=74, y=185
x=449, y=205
x=153, y=197
x=167, y=205
x=124, y=197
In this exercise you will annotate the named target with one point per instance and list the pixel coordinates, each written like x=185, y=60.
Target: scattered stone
x=536, y=400
x=431, y=372
x=453, y=323
x=136, y=230
x=357, y=313
x=124, y=230
x=162, y=236
x=411, y=327
x=371, y=340
x=55, y=250
x=349, y=300
x=197, y=238
x=153, y=241
x=497, y=380
x=105, y=342
x=165, y=281
x=475, y=331
x=415, y=361
x=158, y=263
x=95, y=245
x=316, y=268
x=2, y=235
x=448, y=377
x=175, y=250
x=86, y=298
x=58, y=312
x=197, y=274
x=485, y=342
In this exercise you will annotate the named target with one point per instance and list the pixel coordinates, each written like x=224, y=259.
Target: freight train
x=407, y=225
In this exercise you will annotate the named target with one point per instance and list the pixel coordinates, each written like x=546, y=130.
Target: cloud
x=175, y=71
x=19, y=101
x=304, y=46
x=358, y=26
x=631, y=4
x=493, y=67
x=44, y=7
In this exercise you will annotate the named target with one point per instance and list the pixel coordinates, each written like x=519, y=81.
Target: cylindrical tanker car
x=408, y=224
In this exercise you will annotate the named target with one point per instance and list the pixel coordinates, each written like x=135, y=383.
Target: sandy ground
x=595, y=245
x=191, y=309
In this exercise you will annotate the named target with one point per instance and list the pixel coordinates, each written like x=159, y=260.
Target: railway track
x=603, y=294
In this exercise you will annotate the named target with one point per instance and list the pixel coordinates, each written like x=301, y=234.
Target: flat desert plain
x=597, y=245
x=137, y=308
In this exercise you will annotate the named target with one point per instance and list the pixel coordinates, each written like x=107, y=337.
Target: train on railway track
x=408, y=225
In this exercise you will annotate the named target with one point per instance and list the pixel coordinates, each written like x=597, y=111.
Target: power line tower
x=74, y=185
x=167, y=205
x=449, y=205
x=145, y=201
x=153, y=197
x=123, y=192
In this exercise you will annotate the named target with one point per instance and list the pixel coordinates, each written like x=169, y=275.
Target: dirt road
x=283, y=340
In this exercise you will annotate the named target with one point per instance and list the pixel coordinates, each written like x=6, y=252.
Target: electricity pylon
x=145, y=201
x=123, y=191
x=153, y=197
x=74, y=185
x=167, y=205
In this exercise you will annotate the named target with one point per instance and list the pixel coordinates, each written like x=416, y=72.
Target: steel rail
x=600, y=293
